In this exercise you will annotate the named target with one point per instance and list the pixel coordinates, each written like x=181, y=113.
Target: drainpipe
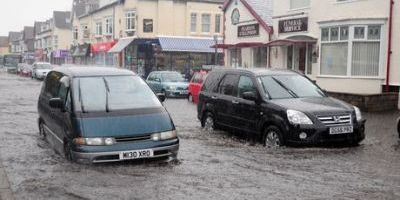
x=389, y=51
x=223, y=39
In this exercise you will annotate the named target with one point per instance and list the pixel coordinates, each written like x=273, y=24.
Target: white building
x=341, y=44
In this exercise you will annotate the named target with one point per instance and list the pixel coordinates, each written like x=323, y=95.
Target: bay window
x=351, y=50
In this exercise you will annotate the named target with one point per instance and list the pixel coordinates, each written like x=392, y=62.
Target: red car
x=195, y=86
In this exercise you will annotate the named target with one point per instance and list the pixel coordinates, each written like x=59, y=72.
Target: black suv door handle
x=235, y=102
x=214, y=97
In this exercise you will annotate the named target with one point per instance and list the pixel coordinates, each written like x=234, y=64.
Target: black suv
x=279, y=106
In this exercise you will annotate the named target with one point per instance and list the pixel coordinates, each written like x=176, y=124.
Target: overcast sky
x=15, y=14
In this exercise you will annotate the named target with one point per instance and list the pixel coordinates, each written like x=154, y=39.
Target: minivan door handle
x=235, y=102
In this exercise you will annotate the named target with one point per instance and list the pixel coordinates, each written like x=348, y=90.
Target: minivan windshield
x=172, y=77
x=110, y=93
x=289, y=86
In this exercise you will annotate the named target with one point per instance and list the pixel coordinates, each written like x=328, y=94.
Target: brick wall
x=370, y=103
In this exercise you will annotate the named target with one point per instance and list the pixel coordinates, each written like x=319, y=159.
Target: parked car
x=170, y=83
x=26, y=71
x=40, y=70
x=97, y=114
x=195, y=86
x=281, y=107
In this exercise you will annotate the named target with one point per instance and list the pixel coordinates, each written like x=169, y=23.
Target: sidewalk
x=5, y=191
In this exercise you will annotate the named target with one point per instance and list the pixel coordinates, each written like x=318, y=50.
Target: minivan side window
x=52, y=84
x=228, y=85
x=245, y=85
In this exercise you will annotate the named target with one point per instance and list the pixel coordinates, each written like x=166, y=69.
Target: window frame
x=204, y=23
x=130, y=19
x=109, y=25
x=193, y=24
x=217, y=24
x=350, y=41
x=299, y=8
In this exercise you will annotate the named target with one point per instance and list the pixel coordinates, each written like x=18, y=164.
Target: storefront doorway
x=298, y=58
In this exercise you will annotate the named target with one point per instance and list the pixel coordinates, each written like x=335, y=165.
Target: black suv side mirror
x=250, y=96
x=157, y=80
x=161, y=97
x=56, y=103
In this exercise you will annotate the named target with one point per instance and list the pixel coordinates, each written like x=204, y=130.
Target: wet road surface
x=211, y=165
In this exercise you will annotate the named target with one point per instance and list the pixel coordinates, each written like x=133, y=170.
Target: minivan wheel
x=273, y=137
x=67, y=151
x=208, y=122
x=42, y=132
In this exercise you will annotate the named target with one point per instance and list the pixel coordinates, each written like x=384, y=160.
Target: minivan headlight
x=297, y=117
x=164, y=135
x=358, y=113
x=94, y=141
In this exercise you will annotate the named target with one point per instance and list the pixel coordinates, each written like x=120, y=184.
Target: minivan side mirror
x=157, y=80
x=161, y=97
x=56, y=103
x=251, y=96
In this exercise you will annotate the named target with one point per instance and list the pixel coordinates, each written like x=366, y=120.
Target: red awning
x=287, y=42
x=102, y=46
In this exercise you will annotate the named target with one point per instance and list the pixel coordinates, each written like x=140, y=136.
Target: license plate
x=137, y=154
x=340, y=130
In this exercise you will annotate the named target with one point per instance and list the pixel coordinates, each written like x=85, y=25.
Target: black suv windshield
x=172, y=77
x=289, y=86
x=111, y=93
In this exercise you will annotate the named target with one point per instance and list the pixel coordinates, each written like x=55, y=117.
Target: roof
x=258, y=71
x=62, y=19
x=28, y=33
x=38, y=27
x=14, y=36
x=260, y=9
x=103, y=8
x=3, y=41
x=82, y=71
x=186, y=44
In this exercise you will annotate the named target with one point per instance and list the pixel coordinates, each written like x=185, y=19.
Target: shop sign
x=293, y=25
x=249, y=30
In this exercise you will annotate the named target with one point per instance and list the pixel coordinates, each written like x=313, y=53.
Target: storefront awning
x=121, y=45
x=102, y=46
x=187, y=44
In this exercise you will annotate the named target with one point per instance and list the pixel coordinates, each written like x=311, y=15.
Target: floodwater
x=212, y=165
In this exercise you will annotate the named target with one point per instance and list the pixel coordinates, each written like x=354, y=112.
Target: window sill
x=298, y=9
x=351, y=77
x=345, y=2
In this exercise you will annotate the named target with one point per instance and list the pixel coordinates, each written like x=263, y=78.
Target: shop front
x=81, y=54
x=100, y=55
x=60, y=56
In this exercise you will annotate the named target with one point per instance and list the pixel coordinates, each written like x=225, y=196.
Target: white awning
x=187, y=44
x=121, y=45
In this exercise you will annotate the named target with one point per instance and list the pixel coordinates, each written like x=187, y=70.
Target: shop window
x=334, y=34
x=298, y=4
x=193, y=22
x=235, y=57
x=205, y=23
x=363, y=50
x=359, y=32
x=344, y=33
x=260, y=57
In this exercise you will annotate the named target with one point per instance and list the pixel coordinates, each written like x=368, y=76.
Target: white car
x=40, y=70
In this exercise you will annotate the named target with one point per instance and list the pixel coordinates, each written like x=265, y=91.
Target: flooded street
x=211, y=165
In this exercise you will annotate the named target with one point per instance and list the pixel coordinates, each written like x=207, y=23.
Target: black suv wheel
x=273, y=137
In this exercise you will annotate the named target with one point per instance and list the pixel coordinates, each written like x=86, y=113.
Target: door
x=246, y=112
x=227, y=92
